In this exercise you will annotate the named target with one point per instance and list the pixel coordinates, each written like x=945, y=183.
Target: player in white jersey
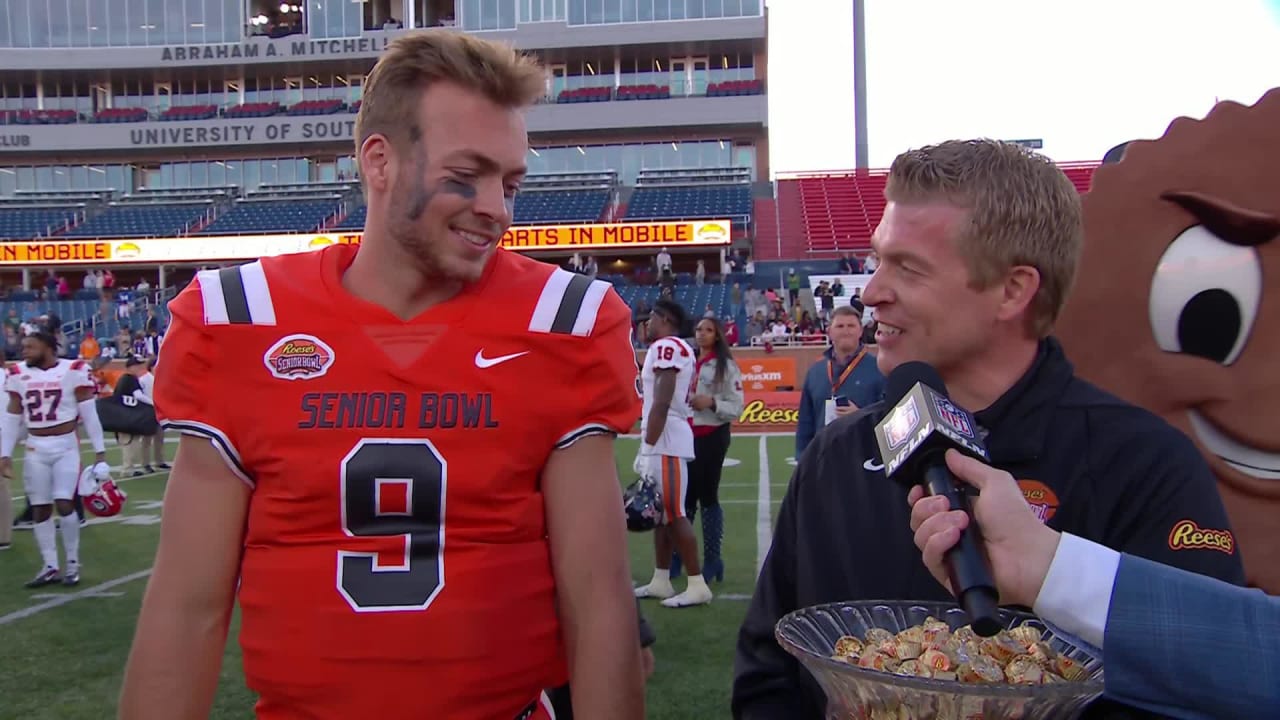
x=51, y=396
x=666, y=449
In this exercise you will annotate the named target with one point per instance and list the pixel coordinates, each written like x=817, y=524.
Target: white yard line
x=69, y=597
x=764, y=508
x=118, y=480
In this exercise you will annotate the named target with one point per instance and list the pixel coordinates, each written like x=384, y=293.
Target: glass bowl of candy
x=903, y=660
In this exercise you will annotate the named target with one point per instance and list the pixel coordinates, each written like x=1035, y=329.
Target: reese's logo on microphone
x=1187, y=535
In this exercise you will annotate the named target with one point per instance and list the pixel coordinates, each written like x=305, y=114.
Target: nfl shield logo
x=903, y=420
x=953, y=416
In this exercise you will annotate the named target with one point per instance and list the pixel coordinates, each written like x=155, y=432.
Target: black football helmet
x=642, y=501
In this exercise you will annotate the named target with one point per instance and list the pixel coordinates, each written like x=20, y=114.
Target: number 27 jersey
x=396, y=563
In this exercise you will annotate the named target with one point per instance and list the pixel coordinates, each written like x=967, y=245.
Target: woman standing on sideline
x=717, y=402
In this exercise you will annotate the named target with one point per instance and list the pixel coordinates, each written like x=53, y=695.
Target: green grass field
x=62, y=651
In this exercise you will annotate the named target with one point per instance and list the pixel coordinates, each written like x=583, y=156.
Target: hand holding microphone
x=914, y=438
x=1019, y=546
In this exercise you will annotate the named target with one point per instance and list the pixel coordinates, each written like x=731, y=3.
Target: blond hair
x=414, y=61
x=1023, y=210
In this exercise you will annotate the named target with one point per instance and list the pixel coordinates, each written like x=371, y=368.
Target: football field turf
x=62, y=650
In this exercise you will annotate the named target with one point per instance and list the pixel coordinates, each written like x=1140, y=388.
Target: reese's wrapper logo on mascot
x=1186, y=535
x=1176, y=306
x=299, y=357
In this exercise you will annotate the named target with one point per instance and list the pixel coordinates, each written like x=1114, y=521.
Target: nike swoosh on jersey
x=484, y=362
x=872, y=466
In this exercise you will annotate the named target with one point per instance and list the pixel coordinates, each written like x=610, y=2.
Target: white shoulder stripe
x=591, y=303
x=257, y=294
x=215, y=305
x=544, y=314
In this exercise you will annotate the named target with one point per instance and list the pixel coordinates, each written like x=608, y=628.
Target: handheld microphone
x=913, y=438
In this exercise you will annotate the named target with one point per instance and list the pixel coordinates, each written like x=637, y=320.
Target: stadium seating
x=354, y=220
x=735, y=87
x=272, y=216
x=316, y=107
x=253, y=110
x=24, y=223
x=140, y=220
x=189, y=112
x=120, y=115
x=586, y=95
x=560, y=206
x=695, y=298
x=690, y=194
x=690, y=202
x=38, y=117
x=644, y=92
x=1080, y=174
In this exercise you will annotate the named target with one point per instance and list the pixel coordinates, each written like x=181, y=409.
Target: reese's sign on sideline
x=769, y=412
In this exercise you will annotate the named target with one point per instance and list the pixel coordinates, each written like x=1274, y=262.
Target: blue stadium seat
x=283, y=216
x=24, y=223
x=138, y=220
x=560, y=206
x=673, y=203
x=354, y=219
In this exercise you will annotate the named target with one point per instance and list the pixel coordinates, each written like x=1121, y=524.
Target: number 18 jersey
x=671, y=353
x=396, y=562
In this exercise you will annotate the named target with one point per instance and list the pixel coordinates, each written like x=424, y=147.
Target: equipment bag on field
x=124, y=413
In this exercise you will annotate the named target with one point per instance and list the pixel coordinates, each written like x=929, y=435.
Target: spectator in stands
x=825, y=298
x=144, y=289
x=700, y=273
x=806, y=326
x=89, y=349
x=710, y=312
x=871, y=263
x=90, y=281
x=590, y=267
x=837, y=288
x=13, y=321
x=755, y=327
x=662, y=261
x=735, y=301
x=64, y=288
x=779, y=331
x=793, y=286
x=848, y=264
x=845, y=380
x=731, y=331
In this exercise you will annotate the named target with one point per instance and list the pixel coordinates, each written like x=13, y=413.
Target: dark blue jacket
x=864, y=386
x=1092, y=464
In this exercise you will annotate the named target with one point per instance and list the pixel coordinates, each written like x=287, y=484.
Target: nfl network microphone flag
x=925, y=417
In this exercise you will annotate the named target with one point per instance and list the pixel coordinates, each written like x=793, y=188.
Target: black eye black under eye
x=458, y=187
x=1209, y=325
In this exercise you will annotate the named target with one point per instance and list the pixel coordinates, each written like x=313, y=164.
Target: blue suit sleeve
x=1189, y=646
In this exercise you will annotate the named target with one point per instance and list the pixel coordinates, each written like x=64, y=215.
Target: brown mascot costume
x=1177, y=306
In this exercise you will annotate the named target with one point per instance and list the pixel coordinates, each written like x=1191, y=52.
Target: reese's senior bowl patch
x=298, y=357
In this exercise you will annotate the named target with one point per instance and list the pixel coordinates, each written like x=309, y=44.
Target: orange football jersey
x=396, y=562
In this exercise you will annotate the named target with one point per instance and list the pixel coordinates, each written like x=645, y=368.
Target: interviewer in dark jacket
x=978, y=246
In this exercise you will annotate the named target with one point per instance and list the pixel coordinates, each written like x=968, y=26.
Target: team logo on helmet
x=299, y=357
x=642, y=502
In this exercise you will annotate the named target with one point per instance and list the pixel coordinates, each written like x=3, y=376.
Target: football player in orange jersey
x=412, y=528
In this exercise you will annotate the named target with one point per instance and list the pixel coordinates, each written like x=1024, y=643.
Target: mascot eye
x=1205, y=296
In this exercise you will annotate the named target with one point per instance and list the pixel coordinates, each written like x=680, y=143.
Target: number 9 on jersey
x=393, y=487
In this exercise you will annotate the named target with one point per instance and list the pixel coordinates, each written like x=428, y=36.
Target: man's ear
x=1018, y=290
x=377, y=162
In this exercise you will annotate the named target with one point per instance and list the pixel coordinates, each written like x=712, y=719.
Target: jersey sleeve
x=671, y=354
x=189, y=394
x=607, y=378
x=13, y=380
x=80, y=376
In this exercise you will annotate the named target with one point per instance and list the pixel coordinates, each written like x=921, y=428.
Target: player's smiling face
x=454, y=191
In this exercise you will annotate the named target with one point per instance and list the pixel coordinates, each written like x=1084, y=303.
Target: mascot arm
x=1170, y=511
